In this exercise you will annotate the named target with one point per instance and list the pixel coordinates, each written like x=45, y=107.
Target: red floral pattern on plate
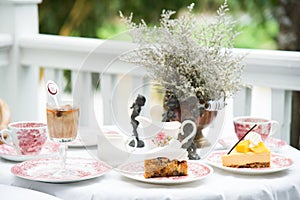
x=196, y=171
x=9, y=153
x=278, y=163
x=45, y=168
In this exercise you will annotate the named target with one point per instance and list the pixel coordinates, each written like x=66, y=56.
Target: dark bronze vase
x=203, y=120
x=189, y=110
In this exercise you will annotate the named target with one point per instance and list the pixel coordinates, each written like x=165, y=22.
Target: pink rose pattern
x=161, y=139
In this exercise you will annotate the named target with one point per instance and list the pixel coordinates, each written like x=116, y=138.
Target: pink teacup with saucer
x=27, y=137
x=265, y=127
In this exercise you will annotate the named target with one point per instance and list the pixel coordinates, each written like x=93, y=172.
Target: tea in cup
x=265, y=127
x=27, y=137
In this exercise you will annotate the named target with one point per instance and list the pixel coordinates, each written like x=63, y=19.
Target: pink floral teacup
x=27, y=137
x=265, y=127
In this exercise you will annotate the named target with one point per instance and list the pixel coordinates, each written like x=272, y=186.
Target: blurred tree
x=84, y=17
x=100, y=18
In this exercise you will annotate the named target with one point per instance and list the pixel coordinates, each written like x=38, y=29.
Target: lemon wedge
x=243, y=146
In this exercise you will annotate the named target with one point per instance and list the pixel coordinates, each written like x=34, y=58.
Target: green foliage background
x=100, y=18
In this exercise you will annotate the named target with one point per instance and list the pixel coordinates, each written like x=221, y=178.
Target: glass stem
x=63, y=155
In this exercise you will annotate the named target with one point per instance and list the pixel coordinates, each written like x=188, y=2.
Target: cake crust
x=164, y=167
x=252, y=165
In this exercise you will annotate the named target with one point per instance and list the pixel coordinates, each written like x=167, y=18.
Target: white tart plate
x=196, y=171
x=278, y=163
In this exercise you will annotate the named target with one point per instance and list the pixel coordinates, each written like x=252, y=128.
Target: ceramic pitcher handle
x=192, y=134
x=274, y=127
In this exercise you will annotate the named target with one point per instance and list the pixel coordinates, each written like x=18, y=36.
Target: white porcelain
x=196, y=171
x=264, y=127
x=173, y=149
x=9, y=153
x=169, y=131
x=44, y=169
x=27, y=137
x=113, y=148
x=278, y=163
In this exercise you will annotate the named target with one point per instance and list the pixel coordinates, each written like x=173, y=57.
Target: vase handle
x=192, y=134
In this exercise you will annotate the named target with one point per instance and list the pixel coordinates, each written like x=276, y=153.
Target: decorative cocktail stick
x=241, y=139
x=52, y=90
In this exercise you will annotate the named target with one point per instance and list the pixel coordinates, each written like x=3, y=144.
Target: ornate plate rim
x=21, y=169
x=138, y=176
x=15, y=157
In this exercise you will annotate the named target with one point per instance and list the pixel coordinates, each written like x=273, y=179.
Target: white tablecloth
x=220, y=185
x=17, y=193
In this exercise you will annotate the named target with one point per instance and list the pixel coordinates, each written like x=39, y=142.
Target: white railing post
x=19, y=84
x=281, y=112
x=242, y=103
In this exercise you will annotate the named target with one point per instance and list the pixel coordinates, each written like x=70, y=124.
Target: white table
x=221, y=185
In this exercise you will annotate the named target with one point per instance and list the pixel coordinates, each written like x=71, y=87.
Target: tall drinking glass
x=62, y=121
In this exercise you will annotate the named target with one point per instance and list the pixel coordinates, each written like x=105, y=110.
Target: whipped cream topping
x=254, y=139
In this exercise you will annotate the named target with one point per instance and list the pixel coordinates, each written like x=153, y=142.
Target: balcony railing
x=24, y=52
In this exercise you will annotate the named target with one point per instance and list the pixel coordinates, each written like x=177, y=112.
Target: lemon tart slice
x=249, y=153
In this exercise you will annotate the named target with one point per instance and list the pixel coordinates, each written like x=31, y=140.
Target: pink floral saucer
x=9, y=153
x=45, y=169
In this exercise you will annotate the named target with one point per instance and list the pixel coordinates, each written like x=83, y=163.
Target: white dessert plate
x=272, y=143
x=9, y=153
x=278, y=163
x=44, y=169
x=196, y=171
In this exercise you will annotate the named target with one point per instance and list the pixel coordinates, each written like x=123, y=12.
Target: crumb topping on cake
x=164, y=167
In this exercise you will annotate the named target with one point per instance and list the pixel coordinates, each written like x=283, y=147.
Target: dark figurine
x=136, y=106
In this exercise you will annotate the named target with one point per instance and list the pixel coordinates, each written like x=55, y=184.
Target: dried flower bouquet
x=187, y=56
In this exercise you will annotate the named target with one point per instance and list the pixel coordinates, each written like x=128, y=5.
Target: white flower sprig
x=187, y=56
